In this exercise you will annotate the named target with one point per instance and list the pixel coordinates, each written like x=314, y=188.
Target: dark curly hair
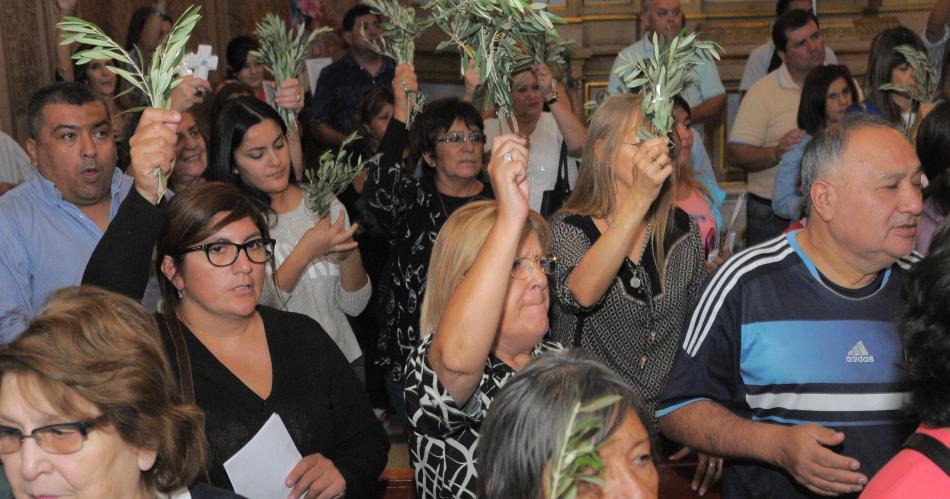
x=925, y=332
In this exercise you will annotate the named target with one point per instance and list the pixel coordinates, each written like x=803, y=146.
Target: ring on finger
x=507, y=157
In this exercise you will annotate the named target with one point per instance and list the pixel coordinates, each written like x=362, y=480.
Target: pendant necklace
x=635, y=281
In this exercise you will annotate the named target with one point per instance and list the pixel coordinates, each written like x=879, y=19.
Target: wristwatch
x=554, y=99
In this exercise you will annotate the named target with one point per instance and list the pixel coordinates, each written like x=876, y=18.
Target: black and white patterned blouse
x=632, y=333
x=411, y=211
x=443, y=436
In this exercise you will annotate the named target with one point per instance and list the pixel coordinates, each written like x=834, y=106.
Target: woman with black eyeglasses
x=447, y=137
x=239, y=361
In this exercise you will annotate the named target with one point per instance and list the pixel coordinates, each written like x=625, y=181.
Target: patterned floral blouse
x=412, y=211
x=443, y=436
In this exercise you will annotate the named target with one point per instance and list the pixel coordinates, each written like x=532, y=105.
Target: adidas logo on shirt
x=859, y=354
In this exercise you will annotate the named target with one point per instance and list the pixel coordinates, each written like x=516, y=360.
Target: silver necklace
x=635, y=281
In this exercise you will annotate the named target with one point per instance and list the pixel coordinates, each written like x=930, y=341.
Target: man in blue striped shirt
x=50, y=224
x=790, y=362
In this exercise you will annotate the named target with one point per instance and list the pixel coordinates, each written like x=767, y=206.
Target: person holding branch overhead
x=630, y=263
x=485, y=314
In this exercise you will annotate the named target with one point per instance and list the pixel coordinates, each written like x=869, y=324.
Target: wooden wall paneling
x=27, y=62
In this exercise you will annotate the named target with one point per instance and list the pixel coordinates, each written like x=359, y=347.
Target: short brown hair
x=101, y=347
x=455, y=249
x=191, y=219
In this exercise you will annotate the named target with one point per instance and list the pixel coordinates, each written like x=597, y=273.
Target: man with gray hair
x=789, y=363
x=707, y=96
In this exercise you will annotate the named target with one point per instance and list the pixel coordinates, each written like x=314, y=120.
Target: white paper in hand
x=257, y=471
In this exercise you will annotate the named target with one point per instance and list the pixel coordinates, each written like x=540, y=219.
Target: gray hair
x=823, y=154
x=528, y=418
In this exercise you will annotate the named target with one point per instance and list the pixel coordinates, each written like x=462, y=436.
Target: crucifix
x=202, y=62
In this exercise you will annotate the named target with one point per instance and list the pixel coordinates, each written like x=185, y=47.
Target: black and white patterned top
x=411, y=211
x=443, y=436
x=633, y=333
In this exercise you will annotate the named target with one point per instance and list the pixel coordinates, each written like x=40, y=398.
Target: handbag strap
x=185, y=381
x=933, y=449
x=562, y=177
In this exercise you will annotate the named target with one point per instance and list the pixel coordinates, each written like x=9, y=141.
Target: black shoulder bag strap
x=929, y=446
x=591, y=238
x=563, y=183
x=185, y=381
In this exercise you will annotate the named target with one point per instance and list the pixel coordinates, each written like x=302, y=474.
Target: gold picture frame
x=595, y=91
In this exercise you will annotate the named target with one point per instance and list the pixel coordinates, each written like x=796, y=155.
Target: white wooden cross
x=202, y=62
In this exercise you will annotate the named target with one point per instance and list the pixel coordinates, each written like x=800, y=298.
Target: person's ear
x=32, y=148
x=348, y=36
x=170, y=269
x=145, y=458
x=429, y=158
x=781, y=55
x=824, y=198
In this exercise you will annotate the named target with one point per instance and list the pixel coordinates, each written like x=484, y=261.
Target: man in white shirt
x=15, y=167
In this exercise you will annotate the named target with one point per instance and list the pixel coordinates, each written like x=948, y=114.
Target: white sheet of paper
x=257, y=471
x=314, y=67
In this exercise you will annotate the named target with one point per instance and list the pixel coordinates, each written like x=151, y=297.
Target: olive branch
x=489, y=33
x=158, y=83
x=925, y=75
x=576, y=460
x=335, y=172
x=400, y=29
x=284, y=52
x=665, y=75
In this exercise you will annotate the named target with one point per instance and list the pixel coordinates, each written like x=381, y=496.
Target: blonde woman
x=485, y=313
x=630, y=262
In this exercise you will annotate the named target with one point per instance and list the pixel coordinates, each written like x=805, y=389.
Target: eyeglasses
x=224, y=253
x=456, y=138
x=60, y=438
x=523, y=267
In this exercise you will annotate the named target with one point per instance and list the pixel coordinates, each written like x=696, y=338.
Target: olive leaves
x=664, y=75
x=925, y=77
x=336, y=171
x=284, y=52
x=576, y=459
x=158, y=82
x=400, y=29
x=491, y=33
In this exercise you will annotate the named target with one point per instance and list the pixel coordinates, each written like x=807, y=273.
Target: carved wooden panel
x=27, y=62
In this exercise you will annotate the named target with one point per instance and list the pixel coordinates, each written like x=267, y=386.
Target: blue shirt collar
x=46, y=190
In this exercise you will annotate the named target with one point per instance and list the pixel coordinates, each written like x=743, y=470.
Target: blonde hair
x=594, y=191
x=93, y=345
x=455, y=249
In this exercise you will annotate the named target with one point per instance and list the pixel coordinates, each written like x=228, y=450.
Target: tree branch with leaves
x=665, y=75
x=492, y=33
x=284, y=52
x=401, y=27
x=158, y=82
